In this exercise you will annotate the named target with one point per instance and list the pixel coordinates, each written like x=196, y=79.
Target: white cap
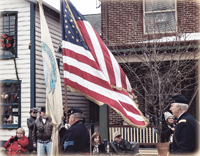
x=167, y=115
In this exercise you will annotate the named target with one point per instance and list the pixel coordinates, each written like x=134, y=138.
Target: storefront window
x=10, y=104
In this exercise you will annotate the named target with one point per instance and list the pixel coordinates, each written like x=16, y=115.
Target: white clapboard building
x=21, y=64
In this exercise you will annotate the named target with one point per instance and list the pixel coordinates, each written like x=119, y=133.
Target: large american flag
x=91, y=70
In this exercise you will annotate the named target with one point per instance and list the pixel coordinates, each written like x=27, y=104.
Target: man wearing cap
x=185, y=136
x=41, y=134
x=122, y=147
x=76, y=139
x=30, y=124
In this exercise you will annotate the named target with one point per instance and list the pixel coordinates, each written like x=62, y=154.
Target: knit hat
x=116, y=134
x=167, y=115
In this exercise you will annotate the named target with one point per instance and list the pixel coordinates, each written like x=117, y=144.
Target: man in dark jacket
x=30, y=124
x=122, y=147
x=185, y=138
x=76, y=139
x=41, y=134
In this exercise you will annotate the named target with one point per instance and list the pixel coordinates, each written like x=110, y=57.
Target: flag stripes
x=91, y=69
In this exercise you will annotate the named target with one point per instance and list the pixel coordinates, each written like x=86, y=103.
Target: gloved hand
x=12, y=140
x=16, y=138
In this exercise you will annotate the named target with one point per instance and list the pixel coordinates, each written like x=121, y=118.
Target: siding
x=7, y=68
x=73, y=99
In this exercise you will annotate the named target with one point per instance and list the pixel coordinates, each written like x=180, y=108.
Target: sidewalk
x=148, y=151
x=143, y=151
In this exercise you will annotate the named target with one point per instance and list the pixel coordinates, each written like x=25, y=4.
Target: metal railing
x=143, y=136
x=93, y=127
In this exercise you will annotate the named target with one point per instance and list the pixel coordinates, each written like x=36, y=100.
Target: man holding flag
x=54, y=108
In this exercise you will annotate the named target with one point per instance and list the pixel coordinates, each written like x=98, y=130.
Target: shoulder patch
x=183, y=120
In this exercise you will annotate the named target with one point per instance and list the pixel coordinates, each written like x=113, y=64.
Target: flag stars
x=65, y=15
x=66, y=26
x=65, y=10
x=77, y=40
x=79, y=18
x=65, y=21
x=73, y=26
x=65, y=36
x=77, y=32
x=69, y=32
x=72, y=37
x=71, y=20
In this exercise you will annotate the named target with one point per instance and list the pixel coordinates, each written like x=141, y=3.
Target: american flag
x=91, y=70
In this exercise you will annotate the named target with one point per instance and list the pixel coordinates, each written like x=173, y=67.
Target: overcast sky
x=83, y=6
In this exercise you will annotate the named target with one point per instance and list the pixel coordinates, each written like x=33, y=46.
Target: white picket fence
x=142, y=136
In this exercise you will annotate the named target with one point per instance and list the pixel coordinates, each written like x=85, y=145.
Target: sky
x=83, y=6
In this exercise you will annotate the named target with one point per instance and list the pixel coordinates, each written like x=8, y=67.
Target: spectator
x=168, y=127
x=18, y=144
x=97, y=144
x=122, y=147
x=30, y=124
x=41, y=134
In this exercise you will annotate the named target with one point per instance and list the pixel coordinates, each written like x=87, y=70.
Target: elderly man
x=122, y=147
x=76, y=139
x=185, y=136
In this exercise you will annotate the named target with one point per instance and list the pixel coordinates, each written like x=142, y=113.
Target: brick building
x=138, y=24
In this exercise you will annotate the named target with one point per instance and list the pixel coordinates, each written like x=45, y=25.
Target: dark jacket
x=166, y=133
x=124, y=147
x=76, y=139
x=101, y=149
x=30, y=124
x=17, y=147
x=186, y=134
x=42, y=131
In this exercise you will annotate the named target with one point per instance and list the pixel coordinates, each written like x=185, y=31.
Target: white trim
x=148, y=12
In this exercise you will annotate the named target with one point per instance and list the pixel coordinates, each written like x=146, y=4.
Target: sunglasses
x=35, y=112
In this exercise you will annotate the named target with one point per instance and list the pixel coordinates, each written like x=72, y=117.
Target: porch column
x=103, y=122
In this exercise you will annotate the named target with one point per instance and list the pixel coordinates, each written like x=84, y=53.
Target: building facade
x=21, y=64
x=133, y=26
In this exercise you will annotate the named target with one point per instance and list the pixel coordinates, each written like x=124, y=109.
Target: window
x=8, y=34
x=159, y=16
x=10, y=104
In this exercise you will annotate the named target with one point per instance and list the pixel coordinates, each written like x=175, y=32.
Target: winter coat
x=123, y=148
x=17, y=147
x=101, y=149
x=76, y=139
x=185, y=138
x=166, y=133
x=44, y=135
x=30, y=124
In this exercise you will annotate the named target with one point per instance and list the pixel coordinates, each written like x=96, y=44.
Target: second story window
x=8, y=35
x=159, y=16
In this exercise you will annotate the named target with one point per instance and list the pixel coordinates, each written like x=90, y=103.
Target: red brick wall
x=122, y=22
x=188, y=16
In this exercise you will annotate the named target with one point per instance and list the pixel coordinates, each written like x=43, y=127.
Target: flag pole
x=66, y=106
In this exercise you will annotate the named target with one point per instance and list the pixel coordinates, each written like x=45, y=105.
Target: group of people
x=182, y=134
x=75, y=138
